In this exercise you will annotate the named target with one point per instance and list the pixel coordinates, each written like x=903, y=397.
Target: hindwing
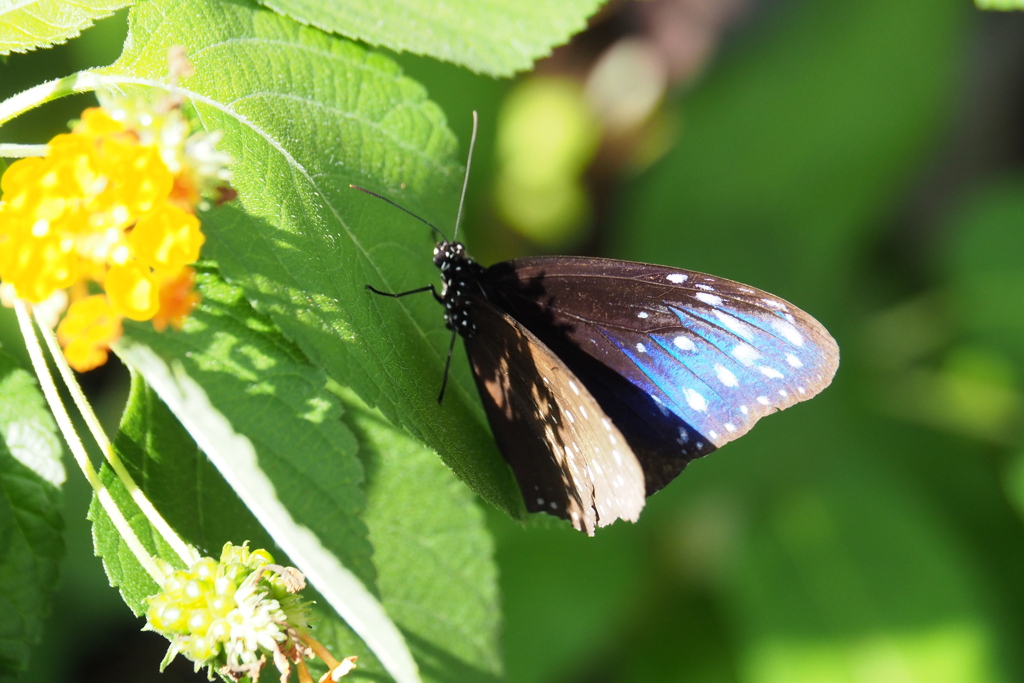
x=569, y=458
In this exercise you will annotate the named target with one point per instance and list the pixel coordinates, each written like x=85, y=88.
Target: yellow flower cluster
x=104, y=211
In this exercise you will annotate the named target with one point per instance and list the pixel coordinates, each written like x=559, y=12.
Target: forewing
x=715, y=353
x=570, y=460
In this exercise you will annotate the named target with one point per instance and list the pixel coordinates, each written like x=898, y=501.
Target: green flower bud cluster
x=213, y=612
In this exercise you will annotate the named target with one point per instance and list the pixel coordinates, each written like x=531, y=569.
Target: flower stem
x=45, y=92
x=83, y=81
x=67, y=428
x=12, y=151
x=186, y=552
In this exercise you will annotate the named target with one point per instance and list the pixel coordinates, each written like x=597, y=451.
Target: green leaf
x=434, y=555
x=433, y=558
x=322, y=113
x=122, y=567
x=193, y=497
x=33, y=24
x=182, y=484
x=499, y=37
x=261, y=414
x=270, y=394
x=31, y=476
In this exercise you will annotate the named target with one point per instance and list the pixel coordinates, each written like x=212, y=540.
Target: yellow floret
x=167, y=239
x=87, y=330
x=133, y=291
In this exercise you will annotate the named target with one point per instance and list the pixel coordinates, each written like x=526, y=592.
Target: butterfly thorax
x=460, y=276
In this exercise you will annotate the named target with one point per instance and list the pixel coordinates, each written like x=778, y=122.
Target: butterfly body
x=602, y=379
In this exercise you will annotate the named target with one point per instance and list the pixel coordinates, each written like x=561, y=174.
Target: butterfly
x=602, y=379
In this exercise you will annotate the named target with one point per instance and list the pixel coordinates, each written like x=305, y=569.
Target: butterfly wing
x=570, y=460
x=683, y=362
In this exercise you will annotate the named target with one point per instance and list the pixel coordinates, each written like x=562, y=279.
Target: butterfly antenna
x=399, y=206
x=465, y=182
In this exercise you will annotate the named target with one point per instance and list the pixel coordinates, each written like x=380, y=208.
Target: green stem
x=67, y=428
x=186, y=552
x=12, y=151
x=83, y=81
x=46, y=92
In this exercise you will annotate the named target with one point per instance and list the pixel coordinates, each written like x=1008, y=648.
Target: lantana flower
x=109, y=213
x=234, y=615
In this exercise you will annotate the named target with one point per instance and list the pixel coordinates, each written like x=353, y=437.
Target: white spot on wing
x=678, y=278
x=793, y=361
x=770, y=373
x=709, y=299
x=641, y=348
x=695, y=400
x=729, y=427
x=684, y=343
x=725, y=376
x=642, y=315
x=763, y=400
x=575, y=389
x=788, y=332
x=746, y=354
x=734, y=324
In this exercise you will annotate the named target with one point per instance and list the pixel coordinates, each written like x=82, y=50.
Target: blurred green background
x=863, y=160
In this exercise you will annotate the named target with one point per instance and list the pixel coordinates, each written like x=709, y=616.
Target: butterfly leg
x=447, y=364
x=451, y=346
x=428, y=288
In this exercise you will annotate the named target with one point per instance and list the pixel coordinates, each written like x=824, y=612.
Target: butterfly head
x=447, y=254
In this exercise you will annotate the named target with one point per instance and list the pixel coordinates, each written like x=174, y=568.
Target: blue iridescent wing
x=682, y=362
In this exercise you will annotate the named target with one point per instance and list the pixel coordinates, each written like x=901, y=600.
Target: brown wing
x=568, y=457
